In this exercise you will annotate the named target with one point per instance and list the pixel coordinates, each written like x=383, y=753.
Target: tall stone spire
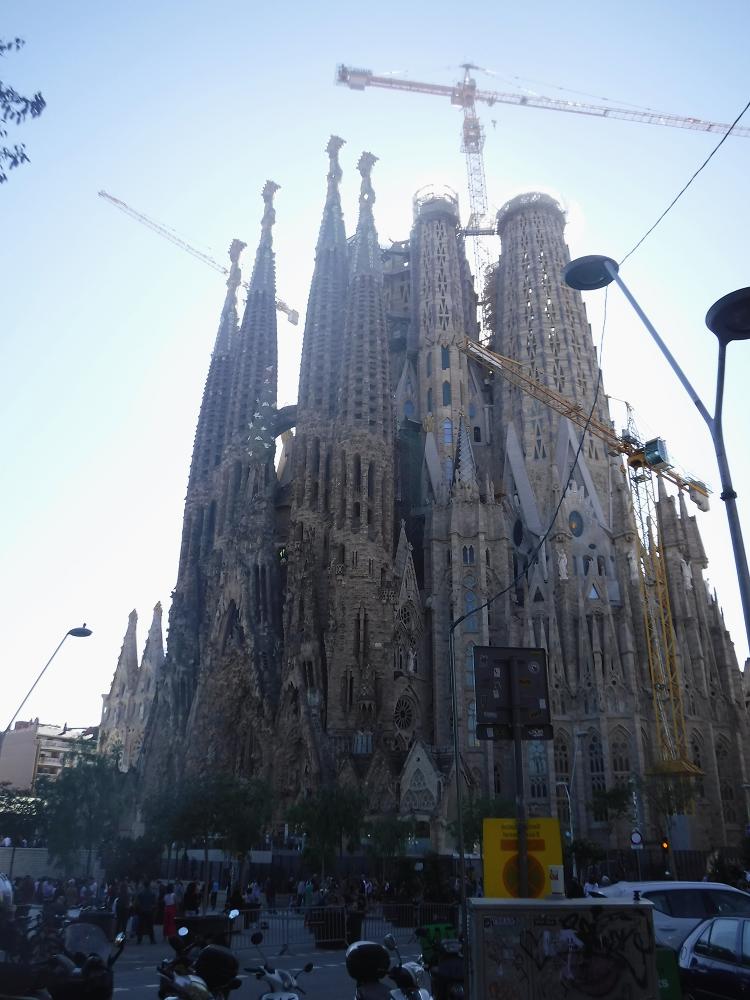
x=211, y=430
x=254, y=353
x=324, y=325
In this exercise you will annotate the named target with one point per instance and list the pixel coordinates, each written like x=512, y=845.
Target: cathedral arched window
x=619, y=751
x=357, y=476
x=408, y=408
x=429, y=400
x=478, y=434
x=446, y=394
x=538, y=770
x=469, y=667
x=445, y=358
x=471, y=624
x=448, y=432
x=696, y=756
x=471, y=722
x=597, y=777
x=726, y=784
x=468, y=555
x=370, y=480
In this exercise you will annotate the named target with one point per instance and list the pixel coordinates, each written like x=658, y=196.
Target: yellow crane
x=291, y=314
x=466, y=95
x=646, y=462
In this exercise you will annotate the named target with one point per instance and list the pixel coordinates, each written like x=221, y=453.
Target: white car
x=681, y=906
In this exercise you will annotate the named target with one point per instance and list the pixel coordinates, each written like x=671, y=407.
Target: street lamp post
x=564, y=786
x=728, y=319
x=78, y=633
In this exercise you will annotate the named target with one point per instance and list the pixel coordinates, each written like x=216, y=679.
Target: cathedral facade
x=318, y=584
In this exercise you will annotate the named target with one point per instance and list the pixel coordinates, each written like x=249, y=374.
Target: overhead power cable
x=534, y=554
x=677, y=197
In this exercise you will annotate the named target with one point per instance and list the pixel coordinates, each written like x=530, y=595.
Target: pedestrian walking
x=145, y=907
x=170, y=912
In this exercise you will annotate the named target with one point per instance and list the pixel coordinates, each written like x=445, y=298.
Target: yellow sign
x=500, y=856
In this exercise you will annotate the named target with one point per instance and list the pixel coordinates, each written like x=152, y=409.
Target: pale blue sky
x=183, y=109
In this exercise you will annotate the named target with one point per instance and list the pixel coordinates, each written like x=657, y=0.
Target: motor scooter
x=282, y=983
x=82, y=970
x=368, y=963
x=198, y=971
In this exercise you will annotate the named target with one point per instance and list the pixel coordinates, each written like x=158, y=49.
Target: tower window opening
x=478, y=434
x=445, y=358
x=429, y=400
x=447, y=432
x=446, y=394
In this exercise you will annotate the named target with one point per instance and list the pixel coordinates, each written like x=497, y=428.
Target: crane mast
x=291, y=314
x=645, y=463
x=465, y=95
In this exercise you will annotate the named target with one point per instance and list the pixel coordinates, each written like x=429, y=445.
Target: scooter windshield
x=86, y=939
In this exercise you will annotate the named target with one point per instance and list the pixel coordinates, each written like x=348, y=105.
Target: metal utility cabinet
x=529, y=949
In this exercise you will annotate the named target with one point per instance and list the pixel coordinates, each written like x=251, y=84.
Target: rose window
x=403, y=714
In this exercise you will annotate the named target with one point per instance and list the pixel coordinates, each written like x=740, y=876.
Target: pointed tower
x=360, y=700
x=305, y=758
x=117, y=704
x=225, y=620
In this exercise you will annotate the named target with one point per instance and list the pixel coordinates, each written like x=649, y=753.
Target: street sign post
x=512, y=699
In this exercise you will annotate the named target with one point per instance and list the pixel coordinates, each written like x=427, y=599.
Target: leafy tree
x=586, y=852
x=131, y=857
x=476, y=809
x=20, y=815
x=333, y=813
x=15, y=109
x=387, y=837
x=82, y=806
x=667, y=795
x=213, y=809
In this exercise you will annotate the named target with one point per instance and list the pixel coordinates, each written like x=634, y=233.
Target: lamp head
x=589, y=273
x=729, y=318
x=80, y=633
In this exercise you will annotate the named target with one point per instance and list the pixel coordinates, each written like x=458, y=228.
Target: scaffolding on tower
x=646, y=464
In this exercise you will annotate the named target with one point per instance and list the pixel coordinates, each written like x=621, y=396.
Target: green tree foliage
x=476, y=809
x=20, y=816
x=82, y=806
x=586, y=852
x=616, y=802
x=387, y=838
x=14, y=110
x=219, y=810
x=131, y=857
x=332, y=815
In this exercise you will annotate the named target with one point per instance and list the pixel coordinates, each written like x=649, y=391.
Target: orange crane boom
x=291, y=314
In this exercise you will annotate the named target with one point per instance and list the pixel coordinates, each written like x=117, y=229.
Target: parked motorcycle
x=369, y=963
x=198, y=971
x=444, y=959
x=282, y=983
x=82, y=970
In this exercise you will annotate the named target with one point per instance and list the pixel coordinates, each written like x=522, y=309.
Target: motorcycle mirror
x=233, y=914
x=390, y=942
x=309, y=967
x=183, y=932
x=256, y=938
x=120, y=939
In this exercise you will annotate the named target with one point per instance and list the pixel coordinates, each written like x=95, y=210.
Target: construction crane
x=465, y=95
x=291, y=314
x=646, y=462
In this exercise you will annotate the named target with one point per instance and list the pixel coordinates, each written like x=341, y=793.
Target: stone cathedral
x=327, y=547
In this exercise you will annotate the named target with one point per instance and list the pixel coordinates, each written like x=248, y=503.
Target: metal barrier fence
x=300, y=929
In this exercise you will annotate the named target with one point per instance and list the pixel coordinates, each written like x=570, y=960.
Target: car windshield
x=85, y=939
x=721, y=901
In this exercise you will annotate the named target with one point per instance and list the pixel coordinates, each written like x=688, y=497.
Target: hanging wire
x=674, y=201
x=534, y=555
